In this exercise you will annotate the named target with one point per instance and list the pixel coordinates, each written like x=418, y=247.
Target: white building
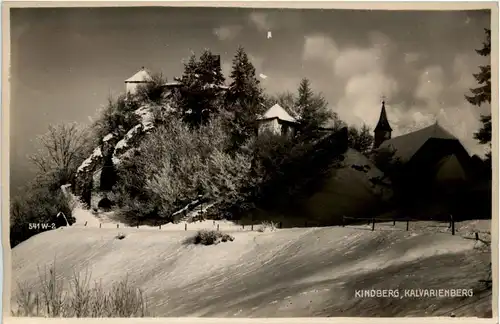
x=277, y=121
x=142, y=77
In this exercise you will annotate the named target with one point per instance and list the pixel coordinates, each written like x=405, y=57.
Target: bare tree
x=62, y=149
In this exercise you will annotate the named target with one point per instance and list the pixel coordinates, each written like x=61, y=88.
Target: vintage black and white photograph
x=250, y=162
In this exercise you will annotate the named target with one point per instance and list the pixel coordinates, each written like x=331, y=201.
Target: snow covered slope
x=290, y=272
x=349, y=190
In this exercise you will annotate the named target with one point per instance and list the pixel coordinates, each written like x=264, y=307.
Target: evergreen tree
x=482, y=93
x=244, y=98
x=245, y=87
x=199, y=96
x=360, y=139
x=312, y=109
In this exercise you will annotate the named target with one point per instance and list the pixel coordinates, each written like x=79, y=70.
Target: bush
x=267, y=226
x=82, y=300
x=117, y=117
x=209, y=237
x=174, y=165
x=284, y=171
x=37, y=205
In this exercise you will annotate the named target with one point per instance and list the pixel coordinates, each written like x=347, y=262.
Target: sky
x=66, y=62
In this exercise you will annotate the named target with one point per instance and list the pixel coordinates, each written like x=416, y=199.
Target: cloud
x=412, y=57
x=430, y=84
x=321, y=48
x=360, y=102
x=417, y=96
x=357, y=61
x=227, y=32
x=261, y=21
x=360, y=73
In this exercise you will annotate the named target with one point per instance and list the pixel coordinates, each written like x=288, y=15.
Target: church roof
x=383, y=122
x=407, y=145
x=141, y=76
x=279, y=112
x=450, y=168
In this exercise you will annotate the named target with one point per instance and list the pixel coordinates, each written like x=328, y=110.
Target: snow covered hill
x=290, y=272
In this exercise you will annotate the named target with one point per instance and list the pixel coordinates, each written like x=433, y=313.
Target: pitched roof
x=383, y=122
x=141, y=76
x=407, y=145
x=279, y=112
x=449, y=168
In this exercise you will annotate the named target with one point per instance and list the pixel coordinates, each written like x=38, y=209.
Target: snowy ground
x=298, y=272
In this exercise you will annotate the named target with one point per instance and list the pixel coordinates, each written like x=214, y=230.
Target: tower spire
x=383, y=129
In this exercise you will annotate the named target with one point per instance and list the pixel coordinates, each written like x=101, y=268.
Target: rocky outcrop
x=86, y=171
x=89, y=172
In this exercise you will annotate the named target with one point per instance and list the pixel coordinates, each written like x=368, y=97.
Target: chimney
x=217, y=59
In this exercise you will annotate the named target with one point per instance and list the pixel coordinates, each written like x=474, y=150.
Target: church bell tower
x=383, y=130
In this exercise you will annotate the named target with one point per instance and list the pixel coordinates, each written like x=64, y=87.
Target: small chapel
x=435, y=165
x=432, y=148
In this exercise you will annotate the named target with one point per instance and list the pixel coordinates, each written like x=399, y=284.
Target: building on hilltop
x=142, y=77
x=277, y=121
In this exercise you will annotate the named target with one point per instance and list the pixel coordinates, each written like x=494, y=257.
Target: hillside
x=348, y=191
x=291, y=272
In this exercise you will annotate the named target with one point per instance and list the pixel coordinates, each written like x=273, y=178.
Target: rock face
x=89, y=173
x=95, y=176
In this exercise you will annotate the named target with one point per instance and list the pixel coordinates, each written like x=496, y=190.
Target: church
x=434, y=167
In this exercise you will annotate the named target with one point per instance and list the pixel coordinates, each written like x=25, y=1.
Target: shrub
x=120, y=236
x=37, y=205
x=153, y=91
x=82, y=300
x=174, y=165
x=209, y=237
x=117, y=117
x=284, y=171
x=267, y=226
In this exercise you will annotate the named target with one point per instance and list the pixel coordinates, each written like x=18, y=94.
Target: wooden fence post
x=243, y=226
x=85, y=223
x=252, y=227
x=407, y=224
x=393, y=222
x=452, y=225
x=217, y=227
x=477, y=236
x=117, y=225
x=373, y=223
x=343, y=221
x=100, y=225
x=281, y=225
x=160, y=226
x=185, y=226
